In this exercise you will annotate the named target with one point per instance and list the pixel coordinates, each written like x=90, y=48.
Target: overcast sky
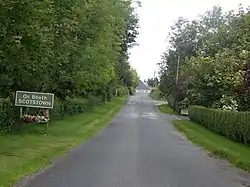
x=156, y=17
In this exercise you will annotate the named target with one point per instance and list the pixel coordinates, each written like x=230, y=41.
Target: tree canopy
x=152, y=82
x=71, y=47
x=213, y=52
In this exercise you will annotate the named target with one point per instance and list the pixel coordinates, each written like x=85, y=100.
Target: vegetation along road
x=140, y=148
x=79, y=53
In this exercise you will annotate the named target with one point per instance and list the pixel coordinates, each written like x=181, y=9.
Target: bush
x=233, y=125
x=177, y=106
x=122, y=91
x=74, y=106
x=170, y=100
x=8, y=115
x=157, y=95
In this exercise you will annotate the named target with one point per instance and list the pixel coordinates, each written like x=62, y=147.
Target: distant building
x=142, y=88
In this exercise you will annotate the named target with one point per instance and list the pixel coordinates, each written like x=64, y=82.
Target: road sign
x=34, y=99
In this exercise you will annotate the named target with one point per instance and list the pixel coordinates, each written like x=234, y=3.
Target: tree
x=66, y=47
x=212, y=52
x=153, y=82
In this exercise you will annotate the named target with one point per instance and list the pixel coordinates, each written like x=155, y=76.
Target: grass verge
x=26, y=153
x=236, y=153
x=165, y=108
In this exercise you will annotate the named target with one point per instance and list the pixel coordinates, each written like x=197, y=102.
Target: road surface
x=140, y=148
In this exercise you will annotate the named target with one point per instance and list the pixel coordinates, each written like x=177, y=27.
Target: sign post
x=44, y=101
x=34, y=99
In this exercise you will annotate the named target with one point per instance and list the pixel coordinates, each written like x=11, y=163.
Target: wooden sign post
x=42, y=101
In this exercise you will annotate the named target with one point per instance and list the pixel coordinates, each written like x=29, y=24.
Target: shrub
x=74, y=106
x=170, y=100
x=8, y=115
x=157, y=95
x=177, y=106
x=122, y=91
x=233, y=125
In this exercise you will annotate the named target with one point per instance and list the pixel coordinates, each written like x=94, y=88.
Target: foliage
x=132, y=79
x=70, y=48
x=212, y=51
x=157, y=95
x=8, y=115
x=233, y=125
x=170, y=100
x=122, y=91
x=153, y=82
x=76, y=105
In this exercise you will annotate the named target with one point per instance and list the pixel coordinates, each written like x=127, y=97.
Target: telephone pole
x=154, y=80
x=176, y=107
x=177, y=71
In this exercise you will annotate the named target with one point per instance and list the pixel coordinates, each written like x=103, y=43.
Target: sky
x=155, y=20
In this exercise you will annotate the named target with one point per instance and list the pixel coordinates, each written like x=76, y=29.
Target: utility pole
x=154, y=80
x=176, y=108
x=177, y=71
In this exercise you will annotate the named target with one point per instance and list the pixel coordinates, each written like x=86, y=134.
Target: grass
x=236, y=153
x=165, y=108
x=26, y=153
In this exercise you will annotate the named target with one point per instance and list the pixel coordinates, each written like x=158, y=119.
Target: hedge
x=233, y=125
x=176, y=106
x=170, y=100
x=74, y=106
x=8, y=115
x=157, y=95
x=122, y=90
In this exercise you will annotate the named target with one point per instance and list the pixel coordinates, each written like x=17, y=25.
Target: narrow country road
x=140, y=148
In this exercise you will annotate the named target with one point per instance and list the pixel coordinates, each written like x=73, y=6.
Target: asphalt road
x=140, y=148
